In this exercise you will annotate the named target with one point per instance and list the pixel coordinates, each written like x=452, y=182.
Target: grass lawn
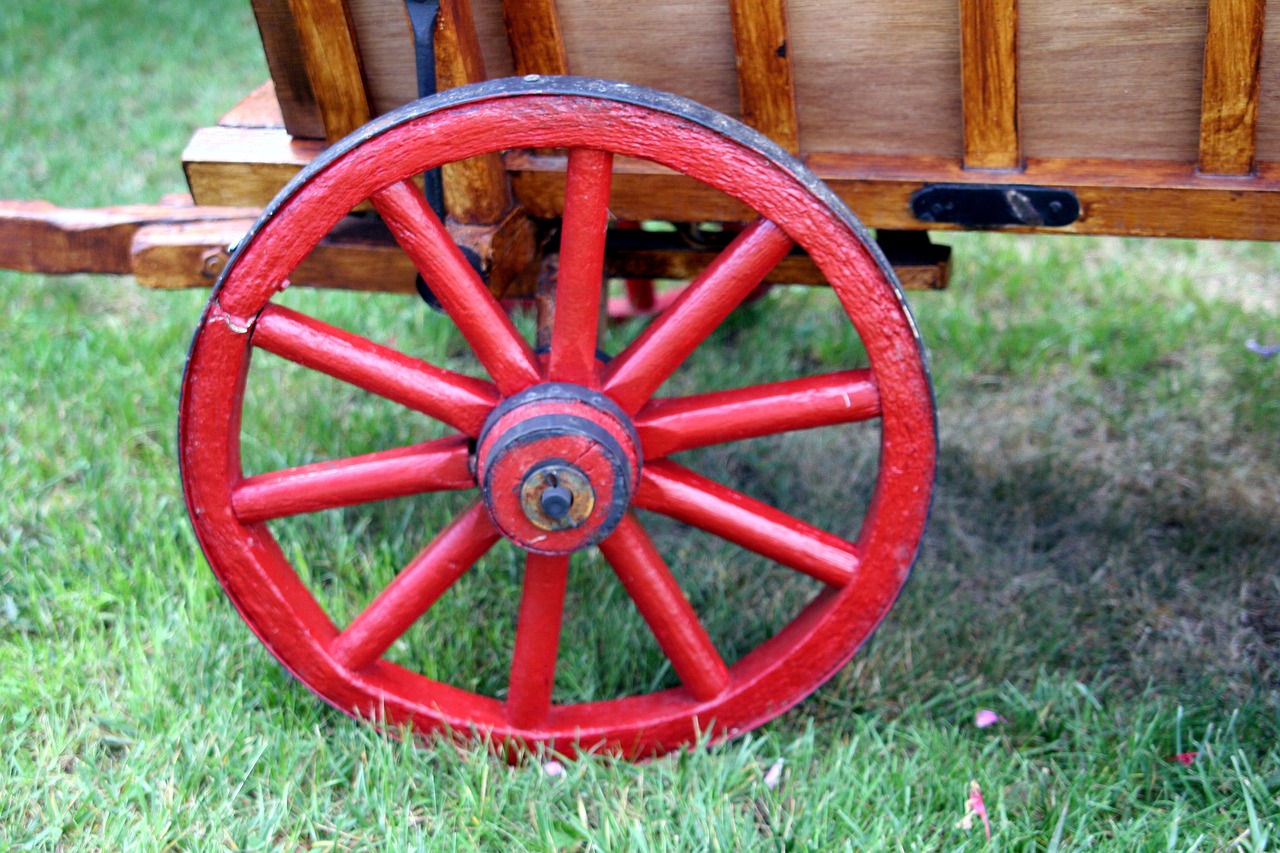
x=1102, y=568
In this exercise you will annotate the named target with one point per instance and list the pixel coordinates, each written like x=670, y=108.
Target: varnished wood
x=36, y=236
x=283, y=49
x=1127, y=198
x=475, y=190
x=1232, y=67
x=535, y=37
x=1107, y=79
x=332, y=60
x=260, y=108
x=765, y=86
x=1096, y=78
x=989, y=83
x=235, y=166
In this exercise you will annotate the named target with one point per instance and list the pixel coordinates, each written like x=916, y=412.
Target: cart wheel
x=562, y=448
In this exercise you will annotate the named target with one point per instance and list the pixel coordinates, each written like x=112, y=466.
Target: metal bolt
x=213, y=262
x=556, y=501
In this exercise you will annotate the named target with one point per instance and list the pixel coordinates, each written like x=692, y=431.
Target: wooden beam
x=1136, y=198
x=989, y=83
x=535, y=38
x=332, y=62
x=475, y=190
x=36, y=236
x=1229, y=105
x=763, y=57
x=361, y=255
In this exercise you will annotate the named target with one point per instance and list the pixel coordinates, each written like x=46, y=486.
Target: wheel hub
x=557, y=465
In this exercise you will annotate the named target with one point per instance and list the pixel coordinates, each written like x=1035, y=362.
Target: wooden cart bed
x=1162, y=117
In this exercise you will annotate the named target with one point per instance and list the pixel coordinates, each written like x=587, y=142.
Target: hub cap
x=557, y=465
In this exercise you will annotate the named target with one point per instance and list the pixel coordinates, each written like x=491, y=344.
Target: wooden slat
x=288, y=69
x=1229, y=106
x=475, y=190
x=765, y=84
x=989, y=83
x=534, y=35
x=333, y=64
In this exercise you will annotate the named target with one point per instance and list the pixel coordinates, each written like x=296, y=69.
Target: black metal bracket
x=995, y=205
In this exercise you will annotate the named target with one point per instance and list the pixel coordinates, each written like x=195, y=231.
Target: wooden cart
x=518, y=180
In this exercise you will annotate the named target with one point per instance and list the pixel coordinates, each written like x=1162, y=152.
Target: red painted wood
x=657, y=596
x=635, y=373
x=581, y=276
x=675, y=491
x=285, y=615
x=640, y=293
x=533, y=661
x=466, y=299
x=433, y=466
x=672, y=424
x=418, y=586
x=459, y=401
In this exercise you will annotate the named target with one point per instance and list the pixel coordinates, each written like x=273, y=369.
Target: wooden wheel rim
x=549, y=113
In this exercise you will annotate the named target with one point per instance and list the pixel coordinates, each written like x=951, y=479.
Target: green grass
x=1101, y=567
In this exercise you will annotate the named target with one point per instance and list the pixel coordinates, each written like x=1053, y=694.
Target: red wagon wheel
x=562, y=447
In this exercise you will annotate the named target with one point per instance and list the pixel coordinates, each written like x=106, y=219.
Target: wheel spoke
x=411, y=594
x=679, y=493
x=637, y=372
x=673, y=424
x=459, y=401
x=461, y=292
x=578, y=291
x=433, y=466
x=657, y=596
x=533, y=662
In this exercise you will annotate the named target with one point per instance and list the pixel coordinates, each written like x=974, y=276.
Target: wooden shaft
x=1229, y=105
x=533, y=32
x=333, y=64
x=765, y=84
x=989, y=83
x=476, y=191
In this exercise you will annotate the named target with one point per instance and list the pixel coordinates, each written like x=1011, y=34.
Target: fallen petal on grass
x=986, y=717
x=1187, y=758
x=975, y=807
x=774, y=776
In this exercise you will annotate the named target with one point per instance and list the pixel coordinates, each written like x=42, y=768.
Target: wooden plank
x=1107, y=79
x=1126, y=198
x=1140, y=198
x=283, y=50
x=260, y=108
x=765, y=85
x=231, y=166
x=535, y=37
x=1269, y=105
x=360, y=256
x=989, y=83
x=475, y=190
x=1232, y=68
x=332, y=61
x=36, y=236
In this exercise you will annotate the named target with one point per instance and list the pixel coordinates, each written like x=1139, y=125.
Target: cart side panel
x=1269, y=102
x=877, y=78
x=387, y=53
x=1116, y=80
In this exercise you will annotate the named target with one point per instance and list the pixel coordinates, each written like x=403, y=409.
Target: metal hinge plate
x=994, y=205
